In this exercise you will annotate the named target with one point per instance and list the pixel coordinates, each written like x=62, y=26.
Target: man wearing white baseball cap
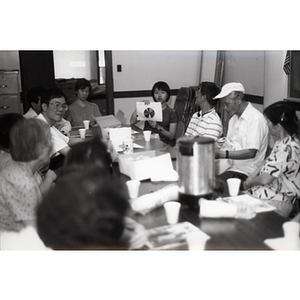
x=247, y=133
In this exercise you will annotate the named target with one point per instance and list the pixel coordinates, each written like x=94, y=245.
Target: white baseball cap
x=230, y=87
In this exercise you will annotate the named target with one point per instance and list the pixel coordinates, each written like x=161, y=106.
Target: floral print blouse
x=19, y=195
x=284, y=164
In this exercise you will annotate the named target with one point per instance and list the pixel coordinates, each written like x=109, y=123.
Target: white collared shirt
x=249, y=131
x=59, y=140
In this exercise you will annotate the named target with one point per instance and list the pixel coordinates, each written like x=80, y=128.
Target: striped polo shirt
x=208, y=125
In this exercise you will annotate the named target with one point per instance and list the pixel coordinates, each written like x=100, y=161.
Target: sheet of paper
x=118, y=135
x=149, y=112
x=107, y=121
x=178, y=236
x=257, y=204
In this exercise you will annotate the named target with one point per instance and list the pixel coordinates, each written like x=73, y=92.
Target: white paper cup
x=172, y=211
x=133, y=188
x=127, y=146
x=82, y=132
x=147, y=135
x=86, y=124
x=233, y=186
x=291, y=230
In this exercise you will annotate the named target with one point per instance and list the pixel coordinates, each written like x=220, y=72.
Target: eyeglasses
x=58, y=106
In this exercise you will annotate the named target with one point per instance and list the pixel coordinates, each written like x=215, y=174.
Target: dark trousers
x=231, y=174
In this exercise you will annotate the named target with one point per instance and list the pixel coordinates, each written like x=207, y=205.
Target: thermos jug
x=196, y=169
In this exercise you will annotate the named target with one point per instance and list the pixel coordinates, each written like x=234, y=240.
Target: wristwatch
x=226, y=154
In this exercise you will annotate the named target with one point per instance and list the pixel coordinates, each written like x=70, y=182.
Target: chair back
x=185, y=104
x=180, y=130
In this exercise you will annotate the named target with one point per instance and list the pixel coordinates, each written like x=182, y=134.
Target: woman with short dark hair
x=166, y=129
x=82, y=109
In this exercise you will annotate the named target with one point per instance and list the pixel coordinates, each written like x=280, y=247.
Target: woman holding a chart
x=166, y=128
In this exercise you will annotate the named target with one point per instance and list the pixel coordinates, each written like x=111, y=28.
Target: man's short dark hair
x=35, y=94
x=210, y=90
x=50, y=94
x=7, y=121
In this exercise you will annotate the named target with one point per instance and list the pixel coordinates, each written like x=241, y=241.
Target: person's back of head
x=28, y=138
x=85, y=210
x=210, y=90
x=34, y=96
x=92, y=152
x=283, y=113
x=7, y=121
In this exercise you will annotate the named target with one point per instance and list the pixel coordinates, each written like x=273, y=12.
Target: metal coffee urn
x=196, y=169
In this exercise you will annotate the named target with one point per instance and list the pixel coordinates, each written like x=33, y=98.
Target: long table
x=225, y=234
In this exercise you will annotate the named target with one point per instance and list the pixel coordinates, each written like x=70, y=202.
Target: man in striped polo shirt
x=206, y=122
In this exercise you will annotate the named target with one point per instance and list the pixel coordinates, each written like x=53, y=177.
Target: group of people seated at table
x=86, y=206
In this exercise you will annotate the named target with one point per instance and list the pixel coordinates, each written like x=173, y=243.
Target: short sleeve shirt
x=249, y=131
x=284, y=164
x=207, y=125
x=76, y=113
x=59, y=140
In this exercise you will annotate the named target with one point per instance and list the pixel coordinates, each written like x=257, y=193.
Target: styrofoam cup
x=86, y=124
x=133, y=187
x=82, y=132
x=233, y=186
x=147, y=135
x=291, y=230
x=172, y=211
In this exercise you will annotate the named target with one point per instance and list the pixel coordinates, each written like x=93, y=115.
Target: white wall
x=247, y=67
x=141, y=69
x=209, y=59
x=276, y=81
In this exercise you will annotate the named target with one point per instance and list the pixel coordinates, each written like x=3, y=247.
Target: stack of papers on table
x=148, y=165
x=241, y=207
x=256, y=204
x=178, y=236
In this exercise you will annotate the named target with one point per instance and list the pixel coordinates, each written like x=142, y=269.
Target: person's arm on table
x=261, y=179
x=168, y=134
x=135, y=234
x=236, y=154
x=64, y=151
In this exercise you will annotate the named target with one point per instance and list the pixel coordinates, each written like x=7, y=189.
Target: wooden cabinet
x=9, y=92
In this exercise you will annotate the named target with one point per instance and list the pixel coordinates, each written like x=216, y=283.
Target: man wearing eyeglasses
x=53, y=104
